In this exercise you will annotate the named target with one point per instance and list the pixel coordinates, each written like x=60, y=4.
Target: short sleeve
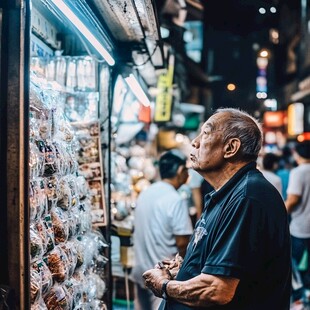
x=295, y=183
x=236, y=242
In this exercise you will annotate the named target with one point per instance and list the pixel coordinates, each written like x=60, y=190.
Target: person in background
x=162, y=224
x=191, y=191
x=239, y=256
x=298, y=206
x=270, y=163
x=286, y=163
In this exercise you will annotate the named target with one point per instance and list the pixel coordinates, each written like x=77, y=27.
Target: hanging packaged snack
x=71, y=253
x=35, y=286
x=57, y=298
x=41, y=268
x=39, y=305
x=49, y=232
x=74, y=289
x=52, y=191
x=58, y=263
x=60, y=225
x=36, y=246
x=42, y=232
x=73, y=189
x=64, y=197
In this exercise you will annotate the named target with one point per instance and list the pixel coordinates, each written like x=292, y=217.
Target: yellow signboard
x=163, y=107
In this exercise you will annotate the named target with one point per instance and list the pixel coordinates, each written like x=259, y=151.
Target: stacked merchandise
x=76, y=79
x=67, y=263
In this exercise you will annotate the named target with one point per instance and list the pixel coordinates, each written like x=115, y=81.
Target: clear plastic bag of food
x=52, y=191
x=39, y=305
x=102, y=244
x=60, y=225
x=33, y=202
x=71, y=252
x=82, y=187
x=74, y=190
x=64, y=196
x=41, y=229
x=73, y=224
x=85, y=215
x=49, y=232
x=36, y=161
x=90, y=249
x=74, y=289
x=98, y=305
x=100, y=262
x=61, y=158
x=37, y=199
x=57, y=298
x=58, y=263
x=50, y=166
x=35, y=285
x=36, y=246
x=81, y=278
x=41, y=268
x=97, y=286
x=45, y=131
x=80, y=252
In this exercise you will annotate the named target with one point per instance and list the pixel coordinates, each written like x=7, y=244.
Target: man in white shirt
x=162, y=224
x=298, y=206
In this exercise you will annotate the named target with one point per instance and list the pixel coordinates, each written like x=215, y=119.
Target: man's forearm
x=202, y=291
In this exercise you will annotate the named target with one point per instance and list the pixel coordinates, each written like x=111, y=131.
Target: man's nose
x=195, y=142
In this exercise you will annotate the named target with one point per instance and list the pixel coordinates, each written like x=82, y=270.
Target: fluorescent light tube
x=84, y=31
x=137, y=90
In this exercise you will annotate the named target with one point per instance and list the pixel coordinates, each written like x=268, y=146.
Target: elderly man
x=239, y=255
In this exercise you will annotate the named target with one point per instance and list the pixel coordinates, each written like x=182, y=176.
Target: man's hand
x=173, y=265
x=154, y=279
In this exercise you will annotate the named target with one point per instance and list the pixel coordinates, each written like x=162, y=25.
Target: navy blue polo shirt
x=243, y=233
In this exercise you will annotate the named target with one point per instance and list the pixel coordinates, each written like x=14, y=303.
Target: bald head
x=235, y=123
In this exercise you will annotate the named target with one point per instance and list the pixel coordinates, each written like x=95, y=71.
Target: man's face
x=208, y=148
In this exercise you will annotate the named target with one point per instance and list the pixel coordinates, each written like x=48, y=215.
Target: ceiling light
x=84, y=31
x=273, y=9
x=137, y=90
x=231, y=87
x=264, y=53
x=262, y=11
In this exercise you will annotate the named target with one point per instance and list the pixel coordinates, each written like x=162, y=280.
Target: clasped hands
x=164, y=270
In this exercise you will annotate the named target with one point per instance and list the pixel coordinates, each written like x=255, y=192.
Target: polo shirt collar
x=217, y=195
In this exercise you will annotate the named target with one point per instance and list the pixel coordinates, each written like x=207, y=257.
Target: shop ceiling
x=134, y=26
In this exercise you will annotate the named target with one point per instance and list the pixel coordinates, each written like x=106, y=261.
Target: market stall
x=56, y=97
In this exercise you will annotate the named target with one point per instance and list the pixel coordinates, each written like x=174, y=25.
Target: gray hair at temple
x=245, y=127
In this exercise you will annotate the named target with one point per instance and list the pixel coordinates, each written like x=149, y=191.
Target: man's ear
x=179, y=171
x=232, y=147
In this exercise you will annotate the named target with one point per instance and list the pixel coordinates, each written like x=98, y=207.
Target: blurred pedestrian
x=191, y=191
x=162, y=226
x=286, y=163
x=298, y=206
x=270, y=163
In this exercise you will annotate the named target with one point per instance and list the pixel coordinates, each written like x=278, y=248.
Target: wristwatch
x=164, y=289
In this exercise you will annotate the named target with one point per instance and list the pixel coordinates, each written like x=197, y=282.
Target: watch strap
x=164, y=289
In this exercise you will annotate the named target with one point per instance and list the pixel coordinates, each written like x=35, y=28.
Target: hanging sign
x=163, y=106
